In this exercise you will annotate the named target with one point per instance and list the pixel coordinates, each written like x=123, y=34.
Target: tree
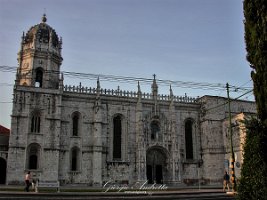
x=253, y=182
x=255, y=12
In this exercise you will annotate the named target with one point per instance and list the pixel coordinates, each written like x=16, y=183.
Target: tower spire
x=154, y=87
x=171, y=92
x=139, y=93
x=44, y=19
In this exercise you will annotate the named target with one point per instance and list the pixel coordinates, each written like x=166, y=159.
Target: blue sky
x=181, y=40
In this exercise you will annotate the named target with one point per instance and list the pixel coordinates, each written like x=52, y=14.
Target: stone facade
x=85, y=135
x=238, y=138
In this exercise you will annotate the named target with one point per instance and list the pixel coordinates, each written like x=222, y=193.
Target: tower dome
x=43, y=33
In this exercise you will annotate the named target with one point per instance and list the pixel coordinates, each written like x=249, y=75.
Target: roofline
x=233, y=99
x=4, y=130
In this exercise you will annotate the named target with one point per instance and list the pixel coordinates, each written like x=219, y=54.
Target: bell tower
x=35, y=123
x=40, y=57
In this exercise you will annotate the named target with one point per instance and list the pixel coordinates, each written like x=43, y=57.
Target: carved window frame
x=35, y=124
x=33, y=156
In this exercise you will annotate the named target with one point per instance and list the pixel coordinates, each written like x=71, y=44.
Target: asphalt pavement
x=77, y=193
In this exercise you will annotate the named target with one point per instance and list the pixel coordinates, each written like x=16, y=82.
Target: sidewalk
x=81, y=193
x=90, y=189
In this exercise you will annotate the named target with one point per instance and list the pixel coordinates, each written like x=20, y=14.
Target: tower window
x=189, y=139
x=117, y=137
x=75, y=124
x=35, y=123
x=39, y=78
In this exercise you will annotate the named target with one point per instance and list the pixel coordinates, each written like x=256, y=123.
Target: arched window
x=35, y=122
x=117, y=134
x=189, y=139
x=33, y=156
x=154, y=129
x=74, y=165
x=75, y=124
x=39, y=78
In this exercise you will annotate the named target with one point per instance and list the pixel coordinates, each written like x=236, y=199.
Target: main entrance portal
x=155, y=165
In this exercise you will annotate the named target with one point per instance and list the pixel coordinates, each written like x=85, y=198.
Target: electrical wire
x=220, y=105
x=129, y=79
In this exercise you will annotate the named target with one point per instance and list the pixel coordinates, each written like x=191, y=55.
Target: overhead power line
x=129, y=79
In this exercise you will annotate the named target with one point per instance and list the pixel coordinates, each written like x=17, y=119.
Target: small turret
x=154, y=87
x=171, y=93
x=98, y=89
x=139, y=93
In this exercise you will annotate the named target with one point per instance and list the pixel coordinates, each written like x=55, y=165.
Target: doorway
x=2, y=171
x=158, y=174
x=149, y=174
x=155, y=166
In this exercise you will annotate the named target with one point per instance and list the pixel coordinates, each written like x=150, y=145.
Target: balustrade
x=128, y=94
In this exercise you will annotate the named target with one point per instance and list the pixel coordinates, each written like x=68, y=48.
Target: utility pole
x=232, y=166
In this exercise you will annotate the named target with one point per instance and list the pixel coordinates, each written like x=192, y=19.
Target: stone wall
x=94, y=141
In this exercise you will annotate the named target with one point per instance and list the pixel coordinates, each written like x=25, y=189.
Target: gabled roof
x=4, y=130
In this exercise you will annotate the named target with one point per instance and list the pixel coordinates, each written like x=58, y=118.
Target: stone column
x=140, y=140
x=97, y=145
